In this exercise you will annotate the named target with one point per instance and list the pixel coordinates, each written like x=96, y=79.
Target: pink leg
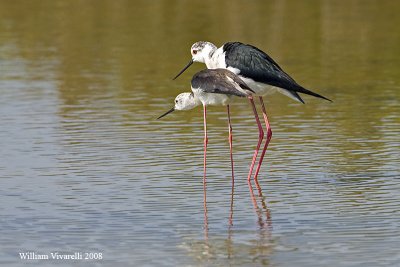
x=233, y=177
x=260, y=137
x=204, y=168
x=268, y=136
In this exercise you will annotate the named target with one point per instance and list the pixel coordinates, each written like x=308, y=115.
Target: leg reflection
x=260, y=211
x=233, y=178
x=205, y=221
x=231, y=209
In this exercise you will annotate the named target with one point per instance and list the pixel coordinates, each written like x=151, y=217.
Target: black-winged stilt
x=258, y=70
x=214, y=87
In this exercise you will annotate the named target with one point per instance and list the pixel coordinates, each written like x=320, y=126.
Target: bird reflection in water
x=260, y=211
x=213, y=247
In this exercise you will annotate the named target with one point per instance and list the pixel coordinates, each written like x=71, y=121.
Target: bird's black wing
x=260, y=67
x=216, y=81
x=255, y=64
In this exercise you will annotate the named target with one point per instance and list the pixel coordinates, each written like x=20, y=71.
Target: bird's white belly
x=212, y=99
x=261, y=89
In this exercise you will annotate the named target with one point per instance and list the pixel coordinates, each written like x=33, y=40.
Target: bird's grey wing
x=216, y=81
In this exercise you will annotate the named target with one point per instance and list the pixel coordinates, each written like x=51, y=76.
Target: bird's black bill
x=166, y=113
x=187, y=66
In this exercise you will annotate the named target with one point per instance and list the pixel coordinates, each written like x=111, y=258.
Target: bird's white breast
x=217, y=61
x=212, y=99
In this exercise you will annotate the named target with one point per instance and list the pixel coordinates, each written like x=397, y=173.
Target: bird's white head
x=183, y=101
x=186, y=101
x=202, y=51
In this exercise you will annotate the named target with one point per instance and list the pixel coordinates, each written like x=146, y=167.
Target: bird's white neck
x=216, y=59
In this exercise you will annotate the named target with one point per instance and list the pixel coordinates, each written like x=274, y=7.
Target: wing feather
x=217, y=81
x=260, y=67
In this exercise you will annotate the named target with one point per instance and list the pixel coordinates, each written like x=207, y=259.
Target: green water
x=85, y=166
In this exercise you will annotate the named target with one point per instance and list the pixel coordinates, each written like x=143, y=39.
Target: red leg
x=268, y=136
x=260, y=137
x=233, y=177
x=204, y=168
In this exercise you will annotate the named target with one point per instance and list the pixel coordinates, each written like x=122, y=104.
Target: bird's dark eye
x=176, y=101
x=194, y=52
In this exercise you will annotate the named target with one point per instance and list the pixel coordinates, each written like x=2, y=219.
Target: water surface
x=86, y=167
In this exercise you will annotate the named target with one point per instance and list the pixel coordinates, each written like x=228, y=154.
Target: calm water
x=86, y=167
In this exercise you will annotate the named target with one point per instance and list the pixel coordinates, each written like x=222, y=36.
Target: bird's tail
x=303, y=90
